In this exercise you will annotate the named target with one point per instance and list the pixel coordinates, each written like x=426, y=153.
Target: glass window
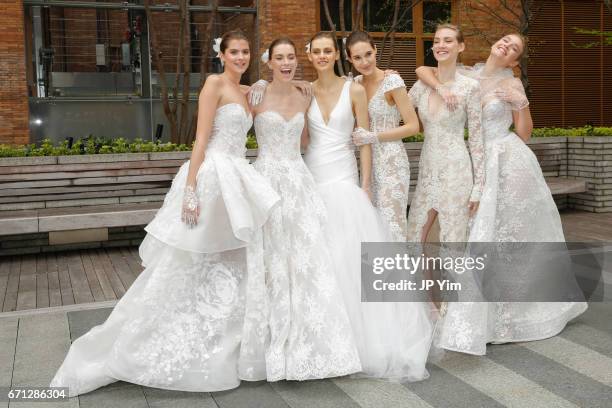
x=434, y=13
x=428, y=58
x=334, y=11
x=379, y=16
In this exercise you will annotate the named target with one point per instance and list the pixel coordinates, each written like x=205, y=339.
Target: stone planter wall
x=590, y=158
x=43, y=184
x=30, y=183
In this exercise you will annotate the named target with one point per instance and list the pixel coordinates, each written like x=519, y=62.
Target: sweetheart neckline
x=297, y=114
x=246, y=112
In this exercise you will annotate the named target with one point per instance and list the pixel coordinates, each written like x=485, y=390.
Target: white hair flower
x=265, y=57
x=307, y=48
x=217, y=46
x=345, y=50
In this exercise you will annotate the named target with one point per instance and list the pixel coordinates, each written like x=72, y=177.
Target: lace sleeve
x=468, y=70
x=416, y=93
x=392, y=82
x=475, y=141
x=513, y=92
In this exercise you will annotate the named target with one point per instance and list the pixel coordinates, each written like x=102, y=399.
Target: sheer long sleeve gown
x=393, y=339
x=516, y=206
x=180, y=324
x=450, y=175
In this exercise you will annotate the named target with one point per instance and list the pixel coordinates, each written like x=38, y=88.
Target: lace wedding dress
x=180, y=324
x=393, y=339
x=302, y=328
x=390, y=166
x=449, y=174
x=516, y=206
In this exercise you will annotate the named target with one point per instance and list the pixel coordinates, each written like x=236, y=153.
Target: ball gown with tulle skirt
x=179, y=326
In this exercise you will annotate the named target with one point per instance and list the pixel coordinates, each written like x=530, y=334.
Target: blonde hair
x=453, y=27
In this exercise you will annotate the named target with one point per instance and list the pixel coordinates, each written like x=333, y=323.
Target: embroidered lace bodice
x=229, y=130
x=279, y=138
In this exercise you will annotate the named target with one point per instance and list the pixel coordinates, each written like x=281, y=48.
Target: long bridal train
x=180, y=324
x=516, y=206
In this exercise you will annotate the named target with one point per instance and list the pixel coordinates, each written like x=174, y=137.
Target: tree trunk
x=357, y=22
x=395, y=21
x=156, y=55
x=186, y=46
x=330, y=21
x=343, y=29
x=206, y=47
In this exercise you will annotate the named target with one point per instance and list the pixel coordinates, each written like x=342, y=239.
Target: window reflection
x=379, y=16
x=434, y=13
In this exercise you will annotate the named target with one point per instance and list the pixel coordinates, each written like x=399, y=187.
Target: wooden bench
x=83, y=193
x=66, y=194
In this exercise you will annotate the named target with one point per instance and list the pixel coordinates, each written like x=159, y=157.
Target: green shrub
x=572, y=132
x=104, y=145
x=251, y=142
x=415, y=138
x=89, y=145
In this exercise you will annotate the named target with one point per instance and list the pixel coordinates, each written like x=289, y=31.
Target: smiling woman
x=393, y=339
x=180, y=325
x=516, y=206
x=302, y=332
x=448, y=188
x=388, y=105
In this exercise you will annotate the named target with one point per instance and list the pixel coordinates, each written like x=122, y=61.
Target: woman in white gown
x=180, y=324
x=393, y=339
x=388, y=104
x=516, y=206
x=451, y=177
x=305, y=332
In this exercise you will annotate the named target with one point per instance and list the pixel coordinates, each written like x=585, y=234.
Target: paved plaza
x=573, y=369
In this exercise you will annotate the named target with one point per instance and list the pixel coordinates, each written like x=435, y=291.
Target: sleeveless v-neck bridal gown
x=393, y=339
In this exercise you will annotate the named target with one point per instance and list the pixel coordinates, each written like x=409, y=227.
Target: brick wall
x=480, y=28
x=13, y=86
x=295, y=19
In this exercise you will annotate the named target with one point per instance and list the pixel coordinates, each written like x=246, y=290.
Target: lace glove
x=449, y=98
x=514, y=97
x=257, y=91
x=363, y=137
x=191, y=207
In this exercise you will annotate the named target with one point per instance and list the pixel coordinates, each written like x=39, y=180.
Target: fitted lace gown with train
x=302, y=330
x=393, y=339
x=450, y=175
x=516, y=206
x=390, y=165
x=180, y=324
